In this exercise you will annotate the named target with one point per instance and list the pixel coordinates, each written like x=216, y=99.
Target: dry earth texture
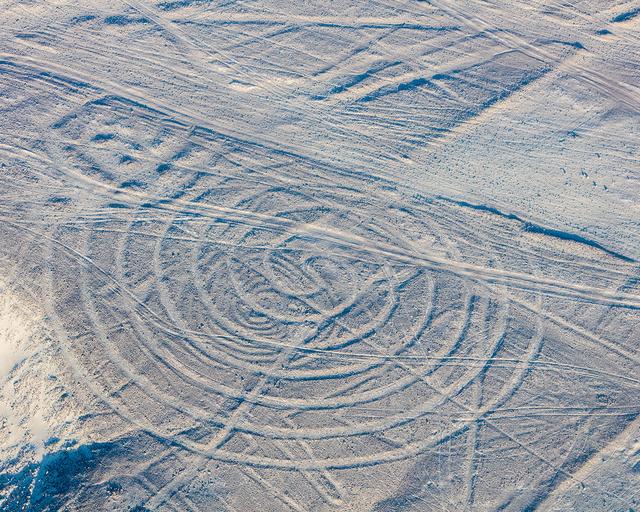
x=320, y=256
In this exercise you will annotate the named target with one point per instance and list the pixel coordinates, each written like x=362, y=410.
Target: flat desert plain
x=376, y=255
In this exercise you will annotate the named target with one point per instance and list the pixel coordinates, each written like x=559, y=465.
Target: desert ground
x=377, y=255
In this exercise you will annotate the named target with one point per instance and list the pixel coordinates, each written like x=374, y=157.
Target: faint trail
x=172, y=488
x=627, y=93
x=413, y=359
x=360, y=244
x=282, y=313
x=278, y=93
x=590, y=466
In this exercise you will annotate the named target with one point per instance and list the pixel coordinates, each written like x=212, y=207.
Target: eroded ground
x=319, y=256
